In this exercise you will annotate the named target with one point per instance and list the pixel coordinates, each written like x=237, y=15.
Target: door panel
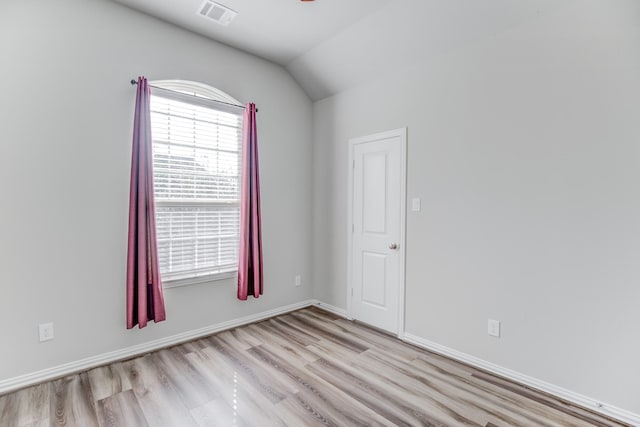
x=373, y=274
x=374, y=182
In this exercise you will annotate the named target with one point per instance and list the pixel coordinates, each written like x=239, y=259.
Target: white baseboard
x=333, y=309
x=48, y=374
x=578, y=399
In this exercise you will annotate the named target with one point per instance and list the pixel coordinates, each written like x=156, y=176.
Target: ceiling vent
x=217, y=12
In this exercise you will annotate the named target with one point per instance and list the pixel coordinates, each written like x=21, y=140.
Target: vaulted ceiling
x=331, y=45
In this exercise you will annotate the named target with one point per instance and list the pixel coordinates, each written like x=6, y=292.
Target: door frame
x=402, y=134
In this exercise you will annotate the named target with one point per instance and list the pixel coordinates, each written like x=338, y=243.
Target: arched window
x=196, y=159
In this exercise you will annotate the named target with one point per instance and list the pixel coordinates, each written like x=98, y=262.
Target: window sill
x=176, y=283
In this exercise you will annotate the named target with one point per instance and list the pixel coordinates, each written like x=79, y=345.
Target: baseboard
x=37, y=377
x=578, y=399
x=332, y=309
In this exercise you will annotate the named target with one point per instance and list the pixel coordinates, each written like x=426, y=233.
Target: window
x=196, y=161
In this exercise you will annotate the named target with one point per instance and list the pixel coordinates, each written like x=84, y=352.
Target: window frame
x=201, y=95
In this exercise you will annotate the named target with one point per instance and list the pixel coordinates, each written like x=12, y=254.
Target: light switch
x=415, y=204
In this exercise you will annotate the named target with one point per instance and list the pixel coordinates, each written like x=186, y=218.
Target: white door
x=377, y=211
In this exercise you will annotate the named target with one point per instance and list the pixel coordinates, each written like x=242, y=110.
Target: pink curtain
x=144, y=288
x=250, y=258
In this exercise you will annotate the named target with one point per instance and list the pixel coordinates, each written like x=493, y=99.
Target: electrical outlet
x=298, y=280
x=494, y=328
x=46, y=331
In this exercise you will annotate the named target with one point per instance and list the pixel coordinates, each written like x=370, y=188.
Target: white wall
x=66, y=112
x=524, y=148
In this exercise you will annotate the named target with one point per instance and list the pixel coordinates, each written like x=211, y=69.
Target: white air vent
x=217, y=12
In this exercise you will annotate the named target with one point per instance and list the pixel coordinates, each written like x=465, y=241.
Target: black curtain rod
x=134, y=82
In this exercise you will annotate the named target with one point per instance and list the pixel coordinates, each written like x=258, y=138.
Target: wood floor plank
x=271, y=337
x=29, y=406
x=329, y=349
x=297, y=335
x=293, y=416
x=9, y=408
x=240, y=393
x=120, y=410
x=535, y=411
x=381, y=341
x=244, y=335
x=3, y=401
x=108, y=380
x=502, y=405
x=305, y=414
x=72, y=402
x=461, y=389
x=191, y=387
x=327, y=315
x=159, y=401
x=335, y=329
x=327, y=334
x=266, y=379
x=216, y=413
x=461, y=377
x=42, y=423
x=576, y=415
x=316, y=396
x=188, y=347
x=344, y=377
x=306, y=368
x=451, y=407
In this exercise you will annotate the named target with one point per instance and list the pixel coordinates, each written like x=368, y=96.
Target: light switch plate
x=415, y=204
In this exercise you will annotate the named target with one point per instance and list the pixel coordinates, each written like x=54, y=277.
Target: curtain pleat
x=145, y=300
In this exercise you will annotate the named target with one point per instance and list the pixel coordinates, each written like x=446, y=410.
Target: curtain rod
x=134, y=82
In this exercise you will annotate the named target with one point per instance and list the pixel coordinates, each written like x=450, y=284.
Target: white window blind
x=196, y=160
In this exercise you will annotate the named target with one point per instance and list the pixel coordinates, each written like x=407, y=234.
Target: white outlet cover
x=298, y=280
x=493, y=328
x=415, y=204
x=45, y=331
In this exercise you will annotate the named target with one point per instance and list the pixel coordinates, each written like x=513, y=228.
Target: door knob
x=393, y=246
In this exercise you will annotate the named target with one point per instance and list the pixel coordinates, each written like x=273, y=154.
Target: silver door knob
x=393, y=246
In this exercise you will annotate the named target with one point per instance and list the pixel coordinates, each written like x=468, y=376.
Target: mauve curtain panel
x=145, y=301
x=250, y=281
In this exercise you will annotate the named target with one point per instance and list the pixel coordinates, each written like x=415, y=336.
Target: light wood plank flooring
x=306, y=368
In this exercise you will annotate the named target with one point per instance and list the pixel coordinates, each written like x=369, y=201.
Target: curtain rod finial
x=133, y=82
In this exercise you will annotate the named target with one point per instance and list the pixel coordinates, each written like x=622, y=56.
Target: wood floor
x=306, y=368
